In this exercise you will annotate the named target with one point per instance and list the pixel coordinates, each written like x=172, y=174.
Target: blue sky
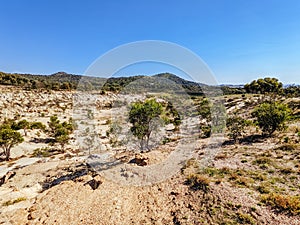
x=239, y=40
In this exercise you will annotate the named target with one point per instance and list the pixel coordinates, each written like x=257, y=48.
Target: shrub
x=11, y=202
x=236, y=126
x=283, y=203
x=244, y=218
x=265, y=85
x=60, y=132
x=37, y=125
x=198, y=182
x=263, y=189
x=271, y=116
x=41, y=152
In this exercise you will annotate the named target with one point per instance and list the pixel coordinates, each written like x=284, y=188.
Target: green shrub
x=41, y=152
x=271, y=116
x=37, y=125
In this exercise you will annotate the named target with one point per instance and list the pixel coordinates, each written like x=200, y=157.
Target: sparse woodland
x=254, y=177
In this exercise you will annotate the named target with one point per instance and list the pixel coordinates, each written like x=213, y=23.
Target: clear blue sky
x=239, y=40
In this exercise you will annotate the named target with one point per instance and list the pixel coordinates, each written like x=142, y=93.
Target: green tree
x=53, y=124
x=141, y=116
x=37, y=125
x=271, y=116
x=22, y=124
x=60, y=132
x=264, y=86
x=62, y=135
x=8, y=139
x=236, y=126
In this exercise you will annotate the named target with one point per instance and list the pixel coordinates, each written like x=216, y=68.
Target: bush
x=283, y=203
x=206, y=131
x=60, y=132
x=244, y=218
x=41, y=152
x=198, y=182
x=236, y=126
x=262, y=160
x=271, y=116
x=37, y=125
x=11, y=202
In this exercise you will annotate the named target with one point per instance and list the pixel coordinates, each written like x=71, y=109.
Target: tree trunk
x=7, y=154
x=147, y=141
x=142, y=144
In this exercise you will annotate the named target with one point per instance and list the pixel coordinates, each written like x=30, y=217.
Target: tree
x=37, y=125
x=61, y=135
x=236, y=126
x=8, y=139
x=22, y=124
x=264, y=86
x=53, y=123
x=271, y=116
x=141, y=117
x=60, y=132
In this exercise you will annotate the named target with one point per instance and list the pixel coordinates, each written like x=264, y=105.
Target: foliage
x=236, y=126
x=206, y=131
x=265, y=85
x=114, y=130
x=198, y=182
x=60, y=132
x=243, y=218
x=204, y=109
x=141, y=117
x=9, y=138
x=271, y=116
x=292, y=91
x=283, y=203
x=44, y=152
x=22, y=124
x=37, y=125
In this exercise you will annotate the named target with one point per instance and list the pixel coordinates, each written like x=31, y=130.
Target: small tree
x=8, y=139
x=141, y=116
x=60, y=131
x=236, y=126
x=61, y=136
x=271, y=116
x=53, y=123
x=22, y=124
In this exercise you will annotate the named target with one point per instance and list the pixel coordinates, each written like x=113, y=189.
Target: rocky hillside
x=252, y=181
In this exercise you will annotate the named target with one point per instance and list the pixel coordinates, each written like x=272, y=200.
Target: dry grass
x=11, y=202
x=283, y=203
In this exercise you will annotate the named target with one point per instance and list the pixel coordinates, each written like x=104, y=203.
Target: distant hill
x=63, y=80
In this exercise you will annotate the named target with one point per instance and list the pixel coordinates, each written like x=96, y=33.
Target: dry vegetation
x=254, y=180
